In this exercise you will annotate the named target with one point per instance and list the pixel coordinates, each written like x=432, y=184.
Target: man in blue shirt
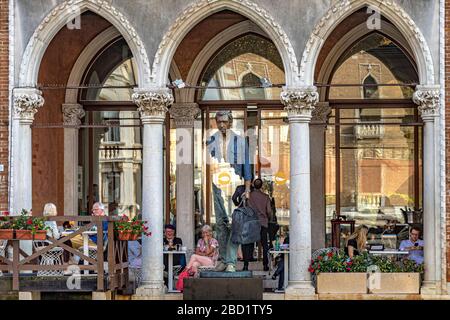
x=226, y=145
x=98, y=209
x=414, y=245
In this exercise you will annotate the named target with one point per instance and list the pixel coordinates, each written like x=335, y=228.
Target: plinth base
x=223, y=289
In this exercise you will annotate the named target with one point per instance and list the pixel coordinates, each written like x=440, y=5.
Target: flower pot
x=6, y=234
x=398, y=283
x=124, y=235
x=342, y=282
x=27, y=235
x=135, y=236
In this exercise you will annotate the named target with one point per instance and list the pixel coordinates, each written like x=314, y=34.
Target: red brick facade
x=4, y=103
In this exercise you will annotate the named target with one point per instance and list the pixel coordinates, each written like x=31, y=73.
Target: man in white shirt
x=414, y=245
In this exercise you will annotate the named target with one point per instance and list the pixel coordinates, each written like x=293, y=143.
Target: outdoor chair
x=50, y=258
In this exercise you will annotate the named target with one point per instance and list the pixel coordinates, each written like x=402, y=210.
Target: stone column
x=317, y=143
x=184, y=115
x=299, y=104
x=427, y=99
x=26, y=104
x=152, y=104
x=72, y=115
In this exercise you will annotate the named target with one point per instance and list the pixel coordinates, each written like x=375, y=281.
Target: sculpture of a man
x=227, y=146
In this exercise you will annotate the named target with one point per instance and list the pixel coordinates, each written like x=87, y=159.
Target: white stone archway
x=201, y=9
x=348, y=40
x=389, y=9
x=60, y=16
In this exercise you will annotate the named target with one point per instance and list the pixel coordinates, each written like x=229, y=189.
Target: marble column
x=26, y=104
x=184, y=115
x=427, y=99
x=317, y=142
x=72, y=115
x=152, y=104
x=299, y=104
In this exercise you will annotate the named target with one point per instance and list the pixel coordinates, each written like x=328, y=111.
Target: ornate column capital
x=427, y=98
x=321, y=112
x=184, y=114
x=300, y=102
x=72, y=114
x=153, y=104
x=26, y=104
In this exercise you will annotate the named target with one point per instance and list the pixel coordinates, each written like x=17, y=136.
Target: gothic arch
x=204, y=8
x=68, y=11
x=389, y=9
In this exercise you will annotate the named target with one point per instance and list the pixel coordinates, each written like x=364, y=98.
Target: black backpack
x=245, y=226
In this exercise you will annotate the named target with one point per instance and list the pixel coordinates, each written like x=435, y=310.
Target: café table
x=389, y=252
x=170, y=254
x=286, y=263
x=85, y=235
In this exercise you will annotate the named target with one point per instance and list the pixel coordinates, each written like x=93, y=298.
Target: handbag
x=186, y=273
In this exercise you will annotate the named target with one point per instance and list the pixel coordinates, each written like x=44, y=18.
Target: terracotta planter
x=6, y=234
x=134, y=236
x=398, y=283
x=27, y=235
x=124, y=235
x=342, y=282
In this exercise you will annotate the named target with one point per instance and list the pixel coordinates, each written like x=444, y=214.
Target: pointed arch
x=390, y=10
x=60, y=16
x=201, y=9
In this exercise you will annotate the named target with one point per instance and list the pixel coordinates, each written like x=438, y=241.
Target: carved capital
x=152, y=104
x=72, y=114
x=184, y=114
x=26, y=104
x=427, y=98
x=321, y=112
x=299, y=103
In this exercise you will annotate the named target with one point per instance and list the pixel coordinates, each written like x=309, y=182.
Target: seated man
x=171, y=242
x=414, y=245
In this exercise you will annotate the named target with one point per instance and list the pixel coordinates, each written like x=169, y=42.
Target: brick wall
x=447, y=126
x=4, y=114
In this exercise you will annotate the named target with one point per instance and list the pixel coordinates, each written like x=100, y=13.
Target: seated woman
x=53, y=231
x=206, y=253
x=356, y=242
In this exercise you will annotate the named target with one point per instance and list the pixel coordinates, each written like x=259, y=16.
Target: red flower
x=318, y=267
x=5, y=213
x=348, y=269
x=329, y=254
x=311, y=269
x=29, y=221
x=319, y=258
x=349, y=263
x=145, y=228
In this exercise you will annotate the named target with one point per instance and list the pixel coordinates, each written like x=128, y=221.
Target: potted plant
x=399, y=277
x=133, y=229
x=6, y=229
x=336, y=273
x=30, y=228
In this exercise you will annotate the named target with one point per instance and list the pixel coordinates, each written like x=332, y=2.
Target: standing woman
x=356, y=242
x=206, y=253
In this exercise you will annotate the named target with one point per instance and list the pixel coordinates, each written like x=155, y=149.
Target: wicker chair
x=50, y=258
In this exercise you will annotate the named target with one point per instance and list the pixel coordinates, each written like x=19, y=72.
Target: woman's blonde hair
x=360, y=235
x=50, y=210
